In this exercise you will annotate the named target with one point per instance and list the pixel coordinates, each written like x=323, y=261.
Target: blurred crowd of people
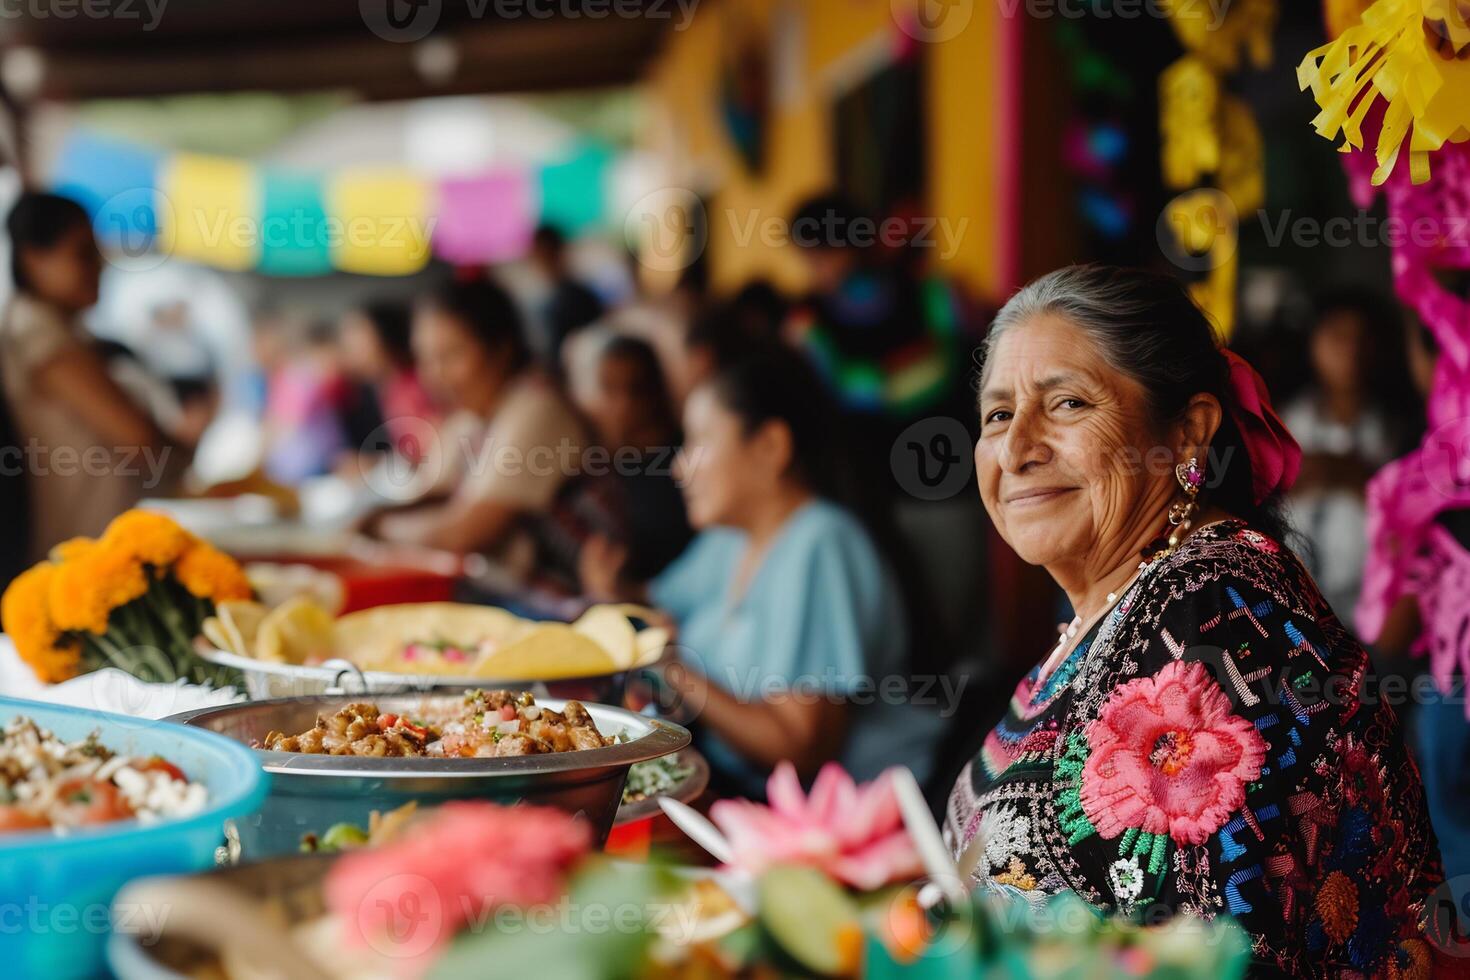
x=723, y=459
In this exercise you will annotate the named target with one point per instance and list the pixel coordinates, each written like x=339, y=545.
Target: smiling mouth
x=1041, y=495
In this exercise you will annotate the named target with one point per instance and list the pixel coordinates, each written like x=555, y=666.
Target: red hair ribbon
x=1274, y=454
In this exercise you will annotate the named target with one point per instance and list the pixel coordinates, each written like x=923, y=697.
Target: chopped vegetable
x=656, y=777
x=45, y=782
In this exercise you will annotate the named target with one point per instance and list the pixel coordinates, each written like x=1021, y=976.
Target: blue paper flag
x=116, y=182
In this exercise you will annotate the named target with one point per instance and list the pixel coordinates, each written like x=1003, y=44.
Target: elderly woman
x=1202, y=737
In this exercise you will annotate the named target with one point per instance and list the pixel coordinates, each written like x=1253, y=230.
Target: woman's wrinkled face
x=454, y=365
x=1070, y=467
x=721, y=467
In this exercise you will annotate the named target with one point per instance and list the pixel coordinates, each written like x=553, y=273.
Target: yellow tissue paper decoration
x=207, y=211
x=1205, y=225
x=379, y=222
x=1208, y=137
x=1220, y=34
x=1339, y=15
x=1404, y=53
x=1189, y=102
x=1446, y=21
x=1242, y=173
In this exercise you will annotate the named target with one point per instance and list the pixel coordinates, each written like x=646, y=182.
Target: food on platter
x=46, y=782
x=430, y=637
x=298, y=631
x=381, y=828
x=656, y=777
x=278, y=582
x=440, y=638
x=485, y=725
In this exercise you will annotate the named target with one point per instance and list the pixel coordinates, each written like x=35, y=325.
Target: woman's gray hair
x=1146, y=327
x=1120, y=309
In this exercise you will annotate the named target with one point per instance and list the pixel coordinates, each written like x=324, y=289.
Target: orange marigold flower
x=72, y=548
x=209, y=573
x=1337, y=906
x=148, y=536
x=25, y=614
x=86, y=589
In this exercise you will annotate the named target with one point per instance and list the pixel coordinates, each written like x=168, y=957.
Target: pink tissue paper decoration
x=485, y=219
x=1408, y=553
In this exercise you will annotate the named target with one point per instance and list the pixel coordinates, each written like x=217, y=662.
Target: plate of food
x=681, y=776
x=286, y=917
x=90, y=800
x=335, y=759
x=301, y=648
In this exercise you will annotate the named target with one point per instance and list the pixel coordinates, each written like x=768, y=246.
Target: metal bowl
x=310, y=793
x=265, y=679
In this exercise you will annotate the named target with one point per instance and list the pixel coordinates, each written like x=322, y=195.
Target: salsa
x=46, y=782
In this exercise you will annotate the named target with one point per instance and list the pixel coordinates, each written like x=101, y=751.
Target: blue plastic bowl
x=56, y=892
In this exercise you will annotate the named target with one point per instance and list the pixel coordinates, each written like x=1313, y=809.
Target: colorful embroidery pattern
x=1168, y=756
x=1216, y=750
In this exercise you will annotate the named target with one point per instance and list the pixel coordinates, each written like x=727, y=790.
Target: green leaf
x=810, y=916
x=601, y=931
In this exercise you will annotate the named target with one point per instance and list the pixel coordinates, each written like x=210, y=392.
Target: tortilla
x=298, y=631
x=214, y=632
x=241, y=620
x=493, y=643
x=375, y=639
x=551, y=651
x=609, y=628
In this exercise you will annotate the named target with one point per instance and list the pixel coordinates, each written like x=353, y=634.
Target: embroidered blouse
x=1214, y=745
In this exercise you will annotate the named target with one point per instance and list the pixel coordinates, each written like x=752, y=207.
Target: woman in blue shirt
x=789, y=622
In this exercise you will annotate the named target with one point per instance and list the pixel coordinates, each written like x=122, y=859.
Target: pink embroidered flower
x=1168, y=755
x=854, y=833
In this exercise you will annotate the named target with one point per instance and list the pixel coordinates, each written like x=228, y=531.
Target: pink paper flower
x=408, y=898
x=1168, y=755
x=853, y=833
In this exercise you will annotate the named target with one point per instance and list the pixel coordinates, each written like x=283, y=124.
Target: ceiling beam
x=492, y=56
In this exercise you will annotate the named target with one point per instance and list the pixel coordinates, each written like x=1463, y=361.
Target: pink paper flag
x=485, y=219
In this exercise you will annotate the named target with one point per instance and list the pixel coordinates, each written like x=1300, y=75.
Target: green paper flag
x=573, y=193
x=295, y=238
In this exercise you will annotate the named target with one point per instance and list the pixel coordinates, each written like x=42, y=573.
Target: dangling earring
x=1191, y=477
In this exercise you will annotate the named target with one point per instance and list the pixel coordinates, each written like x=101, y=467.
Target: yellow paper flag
x=208, y=211
x=379, y=221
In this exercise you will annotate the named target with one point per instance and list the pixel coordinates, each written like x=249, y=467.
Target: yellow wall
x=969, y=155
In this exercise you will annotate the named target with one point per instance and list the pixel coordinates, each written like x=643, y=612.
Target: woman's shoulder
x=25, y=315
x=34, y=331
x=1231, y=551
x=1231, y=584
x=821, y=523
x=534, y=406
